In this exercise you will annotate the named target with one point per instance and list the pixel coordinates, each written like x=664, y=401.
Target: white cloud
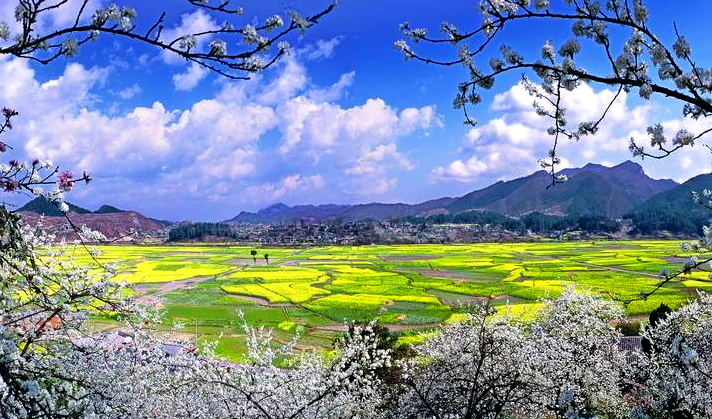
x=334, y=92
x=130, y=92
x=374, y=161
x=320, y=128
x=511, y=144
x=296, y=183
x=228, y=148
x=292, y=80
x=321, y=49
x=377, y=186
x=187, y=81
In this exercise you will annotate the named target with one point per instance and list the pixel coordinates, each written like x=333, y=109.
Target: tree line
x=199, y=231
x=536, y=222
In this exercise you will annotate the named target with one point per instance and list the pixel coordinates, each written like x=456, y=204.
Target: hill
x=108, y=209
x=122, y=226
x=591, y=190
x=674, y=210
x=280, y=213
x=43, y=206
x=113, y=223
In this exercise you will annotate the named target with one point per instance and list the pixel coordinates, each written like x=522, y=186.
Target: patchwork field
x=410, y=288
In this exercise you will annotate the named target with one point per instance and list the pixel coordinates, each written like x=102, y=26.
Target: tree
x=266, y=256
x=656, y=316
x=645, y=63
x=489, y=366
x=675, y=376
x=48, y=368
x=253, y=252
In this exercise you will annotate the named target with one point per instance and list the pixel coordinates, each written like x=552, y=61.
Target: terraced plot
x=312, y=291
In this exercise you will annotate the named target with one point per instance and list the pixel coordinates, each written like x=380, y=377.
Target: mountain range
x=590, y=190
x=624, y=190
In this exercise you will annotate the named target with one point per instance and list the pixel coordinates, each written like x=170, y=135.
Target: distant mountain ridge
x=593, y=189
x=113, y=223
x=674, y=210
x=43, y=206
x=590, y=190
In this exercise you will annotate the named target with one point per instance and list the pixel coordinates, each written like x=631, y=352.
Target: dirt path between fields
x=593, y=265
x=166, y=287
x=408, y=258
x=391, y=327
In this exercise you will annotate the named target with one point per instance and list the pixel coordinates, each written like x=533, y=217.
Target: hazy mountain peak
x=273, y=209
x=108, y=209
x=630, y=167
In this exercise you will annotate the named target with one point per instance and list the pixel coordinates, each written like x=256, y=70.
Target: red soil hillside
x=118, y=226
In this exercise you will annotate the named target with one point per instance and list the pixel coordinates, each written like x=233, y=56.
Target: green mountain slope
x=591, y=190
x=43, y=206
x=674, y=210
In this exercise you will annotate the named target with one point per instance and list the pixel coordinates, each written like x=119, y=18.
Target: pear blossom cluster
x=675, y=378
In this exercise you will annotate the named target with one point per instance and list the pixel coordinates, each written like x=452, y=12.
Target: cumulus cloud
x=322, y=128
x=130, y=92
x=377, y=186
x=321, y=49
x=334, y=92
x=227, y=148
x=371, y=161
x=512, y=143
x=187, y=81
x=292, y=184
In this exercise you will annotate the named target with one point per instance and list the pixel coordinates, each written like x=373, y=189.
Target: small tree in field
x=266, y=256
x=253, y=253
x=636, y=58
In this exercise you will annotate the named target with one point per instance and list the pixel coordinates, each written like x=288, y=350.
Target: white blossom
x=70, y=46
x=298, y=19
x=274, y=22
x=645, y=90
x=250, y=36
x=681, y=47
x=218, y=48
x=4, y=31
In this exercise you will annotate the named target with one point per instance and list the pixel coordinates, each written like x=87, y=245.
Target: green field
x=312, y=291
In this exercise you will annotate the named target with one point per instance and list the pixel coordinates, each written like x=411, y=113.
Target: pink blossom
x=64, y=181
x=9, y=113
x=10, y=185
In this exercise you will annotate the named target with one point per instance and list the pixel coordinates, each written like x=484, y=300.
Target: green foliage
x=198, y=231
x=44, y=206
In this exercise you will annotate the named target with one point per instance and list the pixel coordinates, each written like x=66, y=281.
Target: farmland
x=410, y=288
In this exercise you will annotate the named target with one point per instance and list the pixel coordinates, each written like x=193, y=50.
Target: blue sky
x=345, y=119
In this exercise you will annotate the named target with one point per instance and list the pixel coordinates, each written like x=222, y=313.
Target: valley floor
x=410, y=288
